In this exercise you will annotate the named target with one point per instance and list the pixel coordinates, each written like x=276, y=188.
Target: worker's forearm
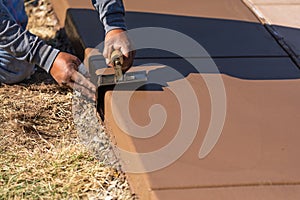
x=111, y=13
x=22, y=44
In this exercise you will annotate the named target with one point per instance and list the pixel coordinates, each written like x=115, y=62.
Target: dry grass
x=41, y=154
x=42, y=20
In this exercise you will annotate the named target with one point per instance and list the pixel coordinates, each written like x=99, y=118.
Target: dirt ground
x=42, y=156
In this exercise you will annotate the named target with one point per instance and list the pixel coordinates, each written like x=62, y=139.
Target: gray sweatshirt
x=28, y=47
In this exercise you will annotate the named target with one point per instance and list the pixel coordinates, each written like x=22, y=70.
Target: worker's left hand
x=118, y=39
x=65, y=71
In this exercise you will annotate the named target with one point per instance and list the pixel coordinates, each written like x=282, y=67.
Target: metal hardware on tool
x=129, y=77
x=105, y=80
x=117, y=62
x=118, y=77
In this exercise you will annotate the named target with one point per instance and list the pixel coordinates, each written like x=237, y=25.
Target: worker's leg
x=11, y=69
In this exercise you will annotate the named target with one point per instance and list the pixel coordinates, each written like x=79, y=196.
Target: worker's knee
x=13, y=70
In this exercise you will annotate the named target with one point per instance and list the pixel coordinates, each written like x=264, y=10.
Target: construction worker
x=20, y=50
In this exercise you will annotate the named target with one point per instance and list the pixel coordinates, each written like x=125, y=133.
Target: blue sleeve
x=22, y=44
x=111, y=13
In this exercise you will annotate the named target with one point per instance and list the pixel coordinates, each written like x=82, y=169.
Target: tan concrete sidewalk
x=256, y=155
x=279, y=12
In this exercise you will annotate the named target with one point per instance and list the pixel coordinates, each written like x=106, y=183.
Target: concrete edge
x=272, y=30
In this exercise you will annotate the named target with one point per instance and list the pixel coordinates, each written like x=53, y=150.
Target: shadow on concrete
x=242, y=68
x=219, y=37
x=240, y=49
x=291, y=37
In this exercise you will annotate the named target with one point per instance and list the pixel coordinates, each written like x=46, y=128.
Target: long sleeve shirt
x=28, y=47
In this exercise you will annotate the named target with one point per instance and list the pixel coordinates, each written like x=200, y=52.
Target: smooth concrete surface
x=221, y=36
x=256, y=156
x=232, y=193
x=61, y=7
x=259, y=140
x=272, y=2
x=216, y=9
x=222, y=9
x=241, y=68
x=282, y=14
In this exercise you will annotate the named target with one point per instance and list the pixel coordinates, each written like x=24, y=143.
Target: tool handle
x=117, y=58
x=117, y=62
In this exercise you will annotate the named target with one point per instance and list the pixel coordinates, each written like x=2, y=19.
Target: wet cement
x=258, y=143
x=230, y=30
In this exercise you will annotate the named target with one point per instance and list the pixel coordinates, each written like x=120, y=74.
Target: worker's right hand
x=65, y=71
x=118, y=39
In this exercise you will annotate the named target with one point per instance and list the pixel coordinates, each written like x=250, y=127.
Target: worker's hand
x=118, y=39
x=65, y=71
